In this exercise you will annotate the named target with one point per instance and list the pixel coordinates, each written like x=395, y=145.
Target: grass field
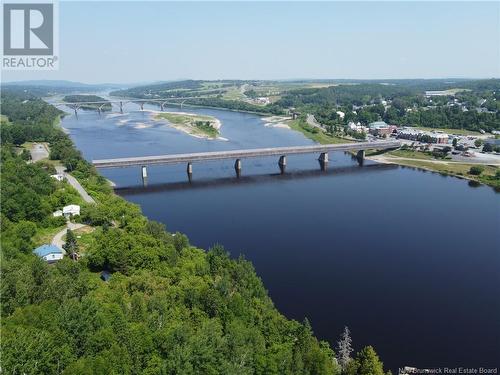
x=488, y=177
x=314, y=133
x=411, y=154
x=45, y=235
x=234, y=93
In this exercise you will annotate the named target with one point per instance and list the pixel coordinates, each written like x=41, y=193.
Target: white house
x=58, y=177
x=57, y=213
x=341, y=114
x=49, y=253
x=71, y=210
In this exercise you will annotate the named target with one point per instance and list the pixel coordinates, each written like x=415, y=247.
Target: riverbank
x=165, y=281
x=489, y=176
x=199, y=126
x=277, y=121
x=314, y=133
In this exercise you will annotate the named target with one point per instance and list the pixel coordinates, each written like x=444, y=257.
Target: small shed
x=105, y=275
x=49, y=253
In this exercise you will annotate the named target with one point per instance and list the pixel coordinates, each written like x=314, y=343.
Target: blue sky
x=149, y=41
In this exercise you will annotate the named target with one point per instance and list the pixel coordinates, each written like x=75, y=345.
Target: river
x=407, y=259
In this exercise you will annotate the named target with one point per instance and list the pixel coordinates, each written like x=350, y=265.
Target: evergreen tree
x=71, y=246
x=344, y=348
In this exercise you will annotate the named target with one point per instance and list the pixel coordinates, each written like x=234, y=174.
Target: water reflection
x=253, y=179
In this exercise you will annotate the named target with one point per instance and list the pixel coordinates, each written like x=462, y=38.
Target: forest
x=168, y=307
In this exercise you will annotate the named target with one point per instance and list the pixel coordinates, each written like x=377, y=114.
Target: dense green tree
x=168, y=308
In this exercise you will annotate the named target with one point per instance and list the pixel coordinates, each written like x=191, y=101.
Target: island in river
x=201, y=126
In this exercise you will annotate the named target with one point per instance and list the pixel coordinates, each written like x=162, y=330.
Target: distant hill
x=63, y=84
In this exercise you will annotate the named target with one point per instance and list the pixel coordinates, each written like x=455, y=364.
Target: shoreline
x=407, y=162
x=190, y=130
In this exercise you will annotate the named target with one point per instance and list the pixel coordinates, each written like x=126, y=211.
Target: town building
x=357, y=127
x=414, y=134
x=57, y=213
x=380, y=128
x=49, y=253
x=71, y=210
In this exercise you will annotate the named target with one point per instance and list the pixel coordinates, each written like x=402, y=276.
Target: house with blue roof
x=49, y=253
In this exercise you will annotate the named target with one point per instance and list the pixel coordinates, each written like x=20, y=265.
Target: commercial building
x=414, y=134
x=380, y=128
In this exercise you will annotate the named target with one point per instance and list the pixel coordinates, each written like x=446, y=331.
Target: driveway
x=74, y=182
x=311, y=120
x=39, y=151
x=58, y=238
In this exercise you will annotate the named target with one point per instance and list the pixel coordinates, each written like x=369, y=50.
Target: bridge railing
x=237, y=154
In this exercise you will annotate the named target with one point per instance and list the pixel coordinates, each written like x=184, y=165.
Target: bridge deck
x=237, y=154
x=127, y=100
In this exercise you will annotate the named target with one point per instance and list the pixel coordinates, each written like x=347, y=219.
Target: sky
x=132, y=42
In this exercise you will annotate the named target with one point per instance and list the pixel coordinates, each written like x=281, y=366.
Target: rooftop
x=45, y=250
x=378, y=124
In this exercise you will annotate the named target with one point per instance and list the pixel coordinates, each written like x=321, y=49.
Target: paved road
x=311, y=120
x=38, y=152
x=74, y=182
x=58, y=238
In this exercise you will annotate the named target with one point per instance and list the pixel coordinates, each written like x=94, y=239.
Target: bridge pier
x=142, y=106
x=144, y=175
x=360, y=156
x=121, y=107
x=161, y=107
x=189, y=171
x=323, y=160
x=282, y=163
x=237, y=167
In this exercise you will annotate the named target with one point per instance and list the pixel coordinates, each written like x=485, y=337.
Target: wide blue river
x=409, y=260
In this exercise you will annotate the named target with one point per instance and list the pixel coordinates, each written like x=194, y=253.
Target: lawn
x=45, y=235
x=488, y=176
x=85, y=237
x=314, y=133
x=234, y=93
x=410, y=154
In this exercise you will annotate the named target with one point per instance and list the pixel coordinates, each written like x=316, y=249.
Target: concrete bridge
x=121, y=103
x=282, y=152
